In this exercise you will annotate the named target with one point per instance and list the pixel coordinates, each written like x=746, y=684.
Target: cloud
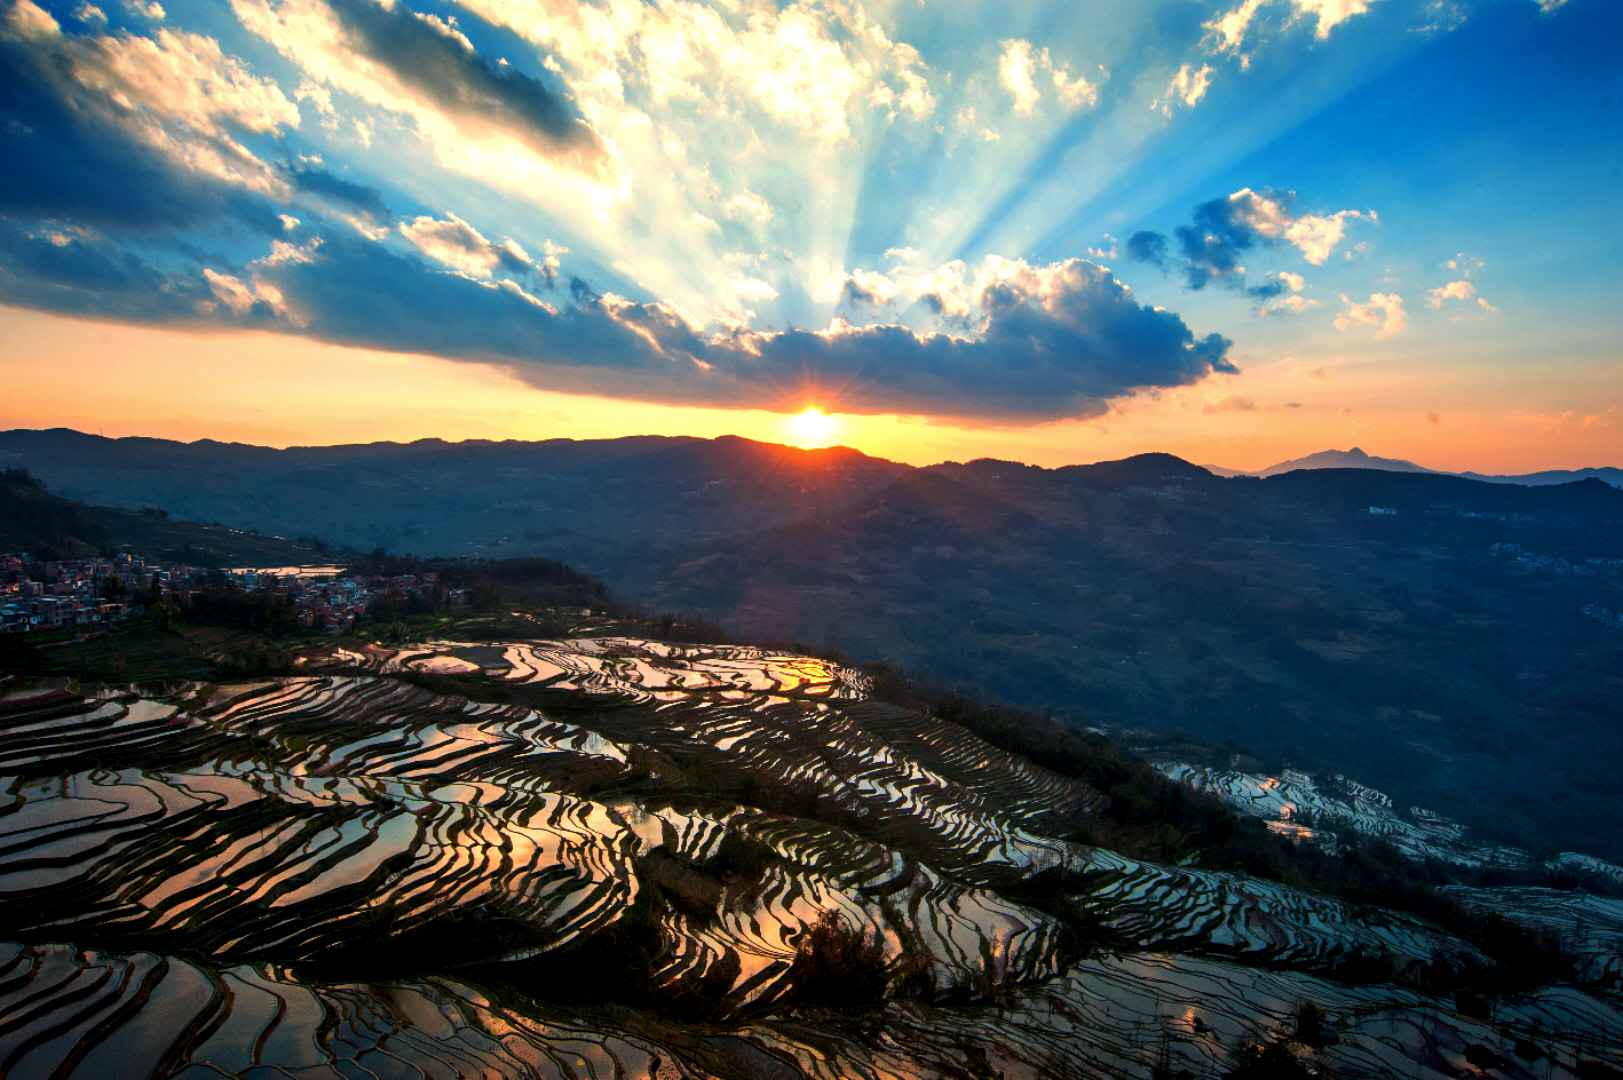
x=1035, y=341
x=748, y=208
x=1550, y=7
x=815, y=69
x=334, y=189
x=1213, y=247
x=90, y=14
x=1329, y=14
x=145, y=9
x=1022, y=69
x=477, y=115
x=453, y=242
x=133, y=132
x=1148, y=247
x=84, y=274
x=1189, y=84
x=1229, y=404
x=869, y=287
x=27, y=21
x=1384, y=311
x=1281, y=295
x=1464, y=265
x=1454, y=290
x=155, y=178
x=1228, y=32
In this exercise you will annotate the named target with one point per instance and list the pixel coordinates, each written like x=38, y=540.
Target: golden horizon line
x=786, y=445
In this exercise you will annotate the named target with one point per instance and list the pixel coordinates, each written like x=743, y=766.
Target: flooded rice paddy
x=360, y=871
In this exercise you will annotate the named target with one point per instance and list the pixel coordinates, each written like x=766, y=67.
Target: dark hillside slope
x=599, y=504
x=1456, y=639
x=36, y=522
x=1458, y=648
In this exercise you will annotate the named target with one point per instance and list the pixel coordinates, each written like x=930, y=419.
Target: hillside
x=34, y=520
x=610, y=856
x=600, y=505
x=1374, y=621
x=1278, y=614
x=1554, y=476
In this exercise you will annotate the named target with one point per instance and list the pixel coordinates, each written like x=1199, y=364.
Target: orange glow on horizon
x=277, y=390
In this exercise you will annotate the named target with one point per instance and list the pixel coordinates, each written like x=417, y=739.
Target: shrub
x=838, y=967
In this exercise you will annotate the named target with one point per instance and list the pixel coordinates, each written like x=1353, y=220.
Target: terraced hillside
x=611, y=857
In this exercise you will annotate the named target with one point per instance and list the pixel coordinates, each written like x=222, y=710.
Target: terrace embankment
x=604, y=856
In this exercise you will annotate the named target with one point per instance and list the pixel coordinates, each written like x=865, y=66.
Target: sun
x=812, y=428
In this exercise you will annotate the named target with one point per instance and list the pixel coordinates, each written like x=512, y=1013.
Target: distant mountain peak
x=1354, y=458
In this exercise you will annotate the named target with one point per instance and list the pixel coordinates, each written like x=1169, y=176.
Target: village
x=94, y=594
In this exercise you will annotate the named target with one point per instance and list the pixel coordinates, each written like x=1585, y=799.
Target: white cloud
x=457, y=244
x=1228, y=30
x=89, y=14
x=1460, y=291
x=754, y=290
x=1016, y=72
x=283, y=253
x=177, y=92
x=1383, y=311
x=1316, y=236
x=1454, y=290
x=241, y=298
x=1548, y=7
x=30, y=22
x=320, y=99
x=1188, y=86
x=1022, y=69
x=145, y=9
x=1292, y=304
x=1463, y=264
x=748, y=208
x=472, y=130
x=1330, y=14
x=810, y=67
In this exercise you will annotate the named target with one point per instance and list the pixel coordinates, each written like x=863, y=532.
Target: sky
x=1238, y=231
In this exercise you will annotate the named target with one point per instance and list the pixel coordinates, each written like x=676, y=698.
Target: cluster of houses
x=93, y=594
x=71, y=592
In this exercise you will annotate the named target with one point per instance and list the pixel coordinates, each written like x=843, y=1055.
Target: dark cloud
x=1038, y=343
x=462, y=82
x=327, y=185
x=66, y=156
x=1148, y=247
x=79, y=274
x=1268, y=290
x=1061, y=343
x=1214, y=245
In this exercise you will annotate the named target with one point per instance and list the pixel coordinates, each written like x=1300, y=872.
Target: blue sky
x=1223, y=227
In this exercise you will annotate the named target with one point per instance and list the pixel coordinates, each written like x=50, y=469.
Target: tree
x=839, y=967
